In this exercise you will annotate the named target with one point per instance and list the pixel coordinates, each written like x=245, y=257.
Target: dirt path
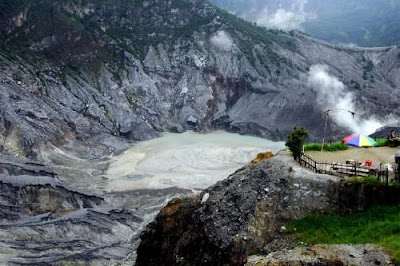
x=377, y=155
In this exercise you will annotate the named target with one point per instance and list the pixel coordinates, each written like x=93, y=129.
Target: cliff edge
x=246, y=215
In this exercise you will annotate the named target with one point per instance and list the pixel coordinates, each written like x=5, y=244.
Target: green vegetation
x=92, y=33
x=49, y=18
x=340, y=146
x=369, y=180
x=132, y=100
x=381, y=142
x=295, y=141
x=355, y=84
x=368, y=67
x=257, y=35
x=335, y=146
x=380, y=225
x=10, y=7
x=149, y=30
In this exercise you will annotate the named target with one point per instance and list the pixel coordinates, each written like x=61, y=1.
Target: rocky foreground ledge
x=45, y=222
x=246, y=215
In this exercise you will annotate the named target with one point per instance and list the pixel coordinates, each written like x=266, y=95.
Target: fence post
x=387, y=177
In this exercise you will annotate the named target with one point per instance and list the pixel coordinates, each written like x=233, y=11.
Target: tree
x=295, y=141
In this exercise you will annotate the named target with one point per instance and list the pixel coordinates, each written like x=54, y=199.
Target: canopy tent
x=358, y=140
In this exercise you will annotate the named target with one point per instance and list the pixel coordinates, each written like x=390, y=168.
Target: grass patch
x=381, y=142
x=380, y=225
x=369, y=180
x=335, y=146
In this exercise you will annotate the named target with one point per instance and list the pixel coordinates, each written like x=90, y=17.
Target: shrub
x=381, y=142
x=295, y=141
x=369, y=180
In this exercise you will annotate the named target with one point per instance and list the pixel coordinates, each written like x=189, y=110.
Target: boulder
x=366, y=255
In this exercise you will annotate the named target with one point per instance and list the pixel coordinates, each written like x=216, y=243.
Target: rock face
x=38, y=195
x=44, y=222
x=366, y=255
x=10, y=165
x=245, y=215
x=93, y=236
x=133, y=68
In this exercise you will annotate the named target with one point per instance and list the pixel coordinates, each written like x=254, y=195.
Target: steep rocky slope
x=91, y=69
x=44, y=222
x=246, y=215
x=82, y=79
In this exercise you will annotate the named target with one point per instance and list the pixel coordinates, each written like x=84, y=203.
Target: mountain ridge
x=192, y=66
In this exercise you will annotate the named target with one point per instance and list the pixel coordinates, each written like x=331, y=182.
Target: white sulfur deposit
x=189, y=160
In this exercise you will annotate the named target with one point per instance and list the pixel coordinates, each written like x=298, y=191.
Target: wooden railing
x=397, y=174
x=347, y=170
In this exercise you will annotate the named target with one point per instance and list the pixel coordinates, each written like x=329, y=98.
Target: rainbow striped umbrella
x=358, y=140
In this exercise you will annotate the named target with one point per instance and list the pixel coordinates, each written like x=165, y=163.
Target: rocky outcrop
x=246, y=214
x=94, y=236
x=365, y=255
x=45, y=222
x=39, y=194
x=11, y=165
x=261, y=157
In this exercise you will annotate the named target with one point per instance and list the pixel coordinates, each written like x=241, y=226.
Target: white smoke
x=283, y=19
x=332, y=95
x=222, y=40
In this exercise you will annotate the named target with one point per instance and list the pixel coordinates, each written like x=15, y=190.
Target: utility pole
x=326, y=121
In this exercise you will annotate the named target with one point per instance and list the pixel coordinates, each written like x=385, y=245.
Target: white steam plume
x=222, y=41
x=331, y=94
x=282, y=19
